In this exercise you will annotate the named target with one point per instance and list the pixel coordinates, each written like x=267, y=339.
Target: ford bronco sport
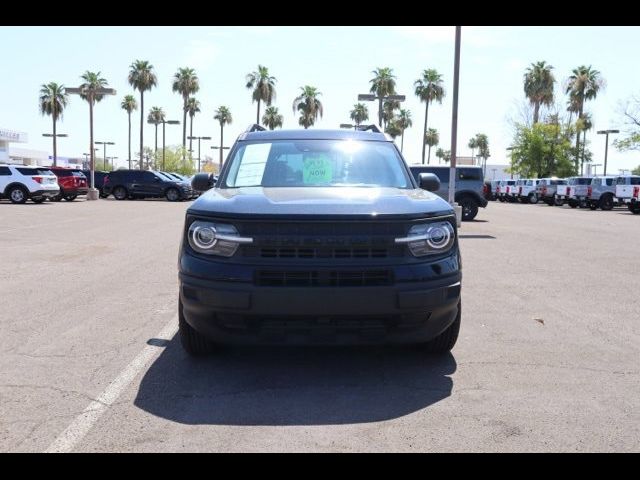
x=318, y=237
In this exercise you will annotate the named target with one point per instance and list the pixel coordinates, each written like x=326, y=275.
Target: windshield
x=317, y=163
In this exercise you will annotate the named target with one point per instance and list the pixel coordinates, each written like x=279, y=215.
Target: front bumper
x=239, y=312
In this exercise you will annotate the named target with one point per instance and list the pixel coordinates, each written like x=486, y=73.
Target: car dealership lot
x=547, y=357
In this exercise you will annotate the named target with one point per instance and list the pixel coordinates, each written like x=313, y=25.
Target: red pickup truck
x=72, y=183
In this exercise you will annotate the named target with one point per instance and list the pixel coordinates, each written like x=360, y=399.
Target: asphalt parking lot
x=547, y=359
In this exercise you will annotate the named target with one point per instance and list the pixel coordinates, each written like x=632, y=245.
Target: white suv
x=19, y=183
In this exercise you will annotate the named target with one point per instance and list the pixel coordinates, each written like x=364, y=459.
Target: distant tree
x=629, y=113
x=428, y=89
x=404, y=122
x=129, y=104
x=223, y=115
x=538, y=86
x=444, y=155
x=186, y=83
x=473, y=145
x=432, y=139
x=583, y=125
x=272, y=119
x=636, y=171
x=142, y=78
x=53, y=100
x=393, y=129
x=309, y=106
x=389, y=108
x=542, y=150
x=156, y=117
x=359, y=114
x=193, y=107
x=482, y=143
x=263, y=88
x=383, y=84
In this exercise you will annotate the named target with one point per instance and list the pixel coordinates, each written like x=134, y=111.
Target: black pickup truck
x=318, y=237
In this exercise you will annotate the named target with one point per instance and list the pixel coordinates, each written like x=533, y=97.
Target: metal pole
x=91, y=151
x=606, y=150
x=163, y=125
x=199, y=154
x=454, y=119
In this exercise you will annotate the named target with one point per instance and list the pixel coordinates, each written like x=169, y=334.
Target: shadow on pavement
x=477, y=236
x=293, y=385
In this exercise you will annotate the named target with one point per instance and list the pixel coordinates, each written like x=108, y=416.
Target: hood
x=359, y=201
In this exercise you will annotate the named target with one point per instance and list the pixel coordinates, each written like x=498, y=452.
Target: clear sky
x=336, y=60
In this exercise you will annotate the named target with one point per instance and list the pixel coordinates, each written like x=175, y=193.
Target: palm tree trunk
x=191, y=133
x=155, y=153
x=402, y=141
x=429, y=155
x=380, y=111
x=141, y=128
x=184, y=129
x=221, y=145
x=55, y=145
x=473, y=154
x=584, y=144
x=129, y=140
x=258, y=114
x=578, y=141
x=92, y=151
x=536, y=112
x=424, y=134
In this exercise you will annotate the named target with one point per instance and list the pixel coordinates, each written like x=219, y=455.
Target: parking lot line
x=76, y=431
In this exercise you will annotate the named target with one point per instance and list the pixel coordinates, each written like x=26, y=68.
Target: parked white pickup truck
x=564, y=192
x=628, y=191
x=601, y=193
x=527, y=192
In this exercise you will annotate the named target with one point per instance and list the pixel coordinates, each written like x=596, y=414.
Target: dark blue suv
x=318, y=237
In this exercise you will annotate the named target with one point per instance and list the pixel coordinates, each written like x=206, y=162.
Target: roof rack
x=254, y=127
x=364, y=128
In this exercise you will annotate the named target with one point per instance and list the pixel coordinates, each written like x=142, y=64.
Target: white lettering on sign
x=10, y=135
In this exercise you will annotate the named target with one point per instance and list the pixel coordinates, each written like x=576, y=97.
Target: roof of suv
x=302, y=134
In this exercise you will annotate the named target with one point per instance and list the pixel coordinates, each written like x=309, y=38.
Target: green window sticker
x=317, y=169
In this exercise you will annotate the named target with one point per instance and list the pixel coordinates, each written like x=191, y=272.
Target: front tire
x=18, y=195
x=70, y=198
x=444, y=342
x=172, y=195
x=469, y=208
x=193, y=342
x=533, y=198
x=606, y=202
x=120, y=193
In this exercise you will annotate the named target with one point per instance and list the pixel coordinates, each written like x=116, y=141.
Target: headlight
x=429, y=238
x=215, y=238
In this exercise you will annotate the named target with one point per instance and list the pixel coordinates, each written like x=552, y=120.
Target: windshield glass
x=317, y=163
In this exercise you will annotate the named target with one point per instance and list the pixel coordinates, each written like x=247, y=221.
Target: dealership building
x=9, y=153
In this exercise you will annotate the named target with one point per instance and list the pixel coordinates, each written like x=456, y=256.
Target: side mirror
x=202, y=181
x=429, y=181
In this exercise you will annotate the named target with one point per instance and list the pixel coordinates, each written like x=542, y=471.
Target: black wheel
x=70, y=198
x=38, y=200
x=444, y=342
x=533, y=198
x=469, y=208
x=635, y=209
x=606, y=202
x=120, y=193
x=101, y=193
x=172, y=194
x=192, y=341
x=593, y=206
x=18, y=194
x=557, y=202
x=58, y=197
x=501, y=199
x=573, y=204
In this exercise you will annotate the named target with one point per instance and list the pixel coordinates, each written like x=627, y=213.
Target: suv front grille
x=323, y=278
x=322, y=252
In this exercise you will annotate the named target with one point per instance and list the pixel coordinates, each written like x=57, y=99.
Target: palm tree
x=432, y=138
x=129, y=104
x=404, y=121
x=156, y=117
x=223, y=115
x=538, y=86
x=53, y=99
x=264, y=88
x=142, y=78
x=92, y=81
x=389, y=108
x=444, y=155
x=473, y=144
x=360, y=113
x=482, y=142
x=585, y=123
x=308, y=105
x=583, y=84
x=271, y=118
x=186, y=83
x=428, y=89
x=382, y=84
x=193, y=107
x=393, y=128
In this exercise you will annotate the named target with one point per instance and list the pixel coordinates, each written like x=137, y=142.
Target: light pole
x=55, y=152
x=90, y=94
x=113, y=160
x=594, y=165
x=454, y=118
x=606, y=146
x=198, y=138
x=86, y=160
x=218, y=148
x=164, y=122
x=104, y=151
x=369, y=97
